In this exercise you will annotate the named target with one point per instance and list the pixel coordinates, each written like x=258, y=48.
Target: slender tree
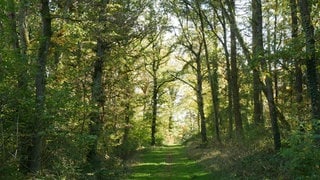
x=234, y=76
x=297, y=62
x=212, y=73
x=97, y=92
x=40, y=84
x=311, y=63
x=258, y=55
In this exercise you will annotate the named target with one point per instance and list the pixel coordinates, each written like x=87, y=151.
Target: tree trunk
x=311, y=63
x=297, y=62
x=173, y=95
x=258, y=53
x=234, y=82
x=257, y=98
x=213, y=78
x=125, y=137
x=97, y=101
x=39, y=121
x=97, y=95
x=154, y=110
x=203, y=128
x=230, y=97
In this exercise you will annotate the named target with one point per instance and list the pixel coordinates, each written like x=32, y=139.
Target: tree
x=234, y=75
x=298, y=70
x=97, y=96
x=212, y=74
x=40, y=84
x=311, y=63
x=258, y=53
x=158, y=57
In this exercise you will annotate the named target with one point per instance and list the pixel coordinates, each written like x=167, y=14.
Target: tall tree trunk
x=39, y=121
x=257, y=48
x=97, y=101
x=125, y=137
x=213, y=78
x=258, y=53
x=215, y=97
x=230, y=97
x=127, y=117
x=173, y=95
x=234, y=81
x=224, y=41
x=297, y=62
x=97, y=94
x=274, y=49
x=203, y=128
x=154, y=110
x=311, y=63
x=257, y=98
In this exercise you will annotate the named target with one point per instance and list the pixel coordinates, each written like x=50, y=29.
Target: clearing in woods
x=167, y=162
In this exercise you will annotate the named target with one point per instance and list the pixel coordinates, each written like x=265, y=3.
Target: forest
x=87, y=84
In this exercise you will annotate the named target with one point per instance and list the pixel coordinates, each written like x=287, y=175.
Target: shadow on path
x=169, y=162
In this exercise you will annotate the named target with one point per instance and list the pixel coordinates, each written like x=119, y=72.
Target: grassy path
x=168, y=162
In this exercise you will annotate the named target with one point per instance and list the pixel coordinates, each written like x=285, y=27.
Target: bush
x=302, y=156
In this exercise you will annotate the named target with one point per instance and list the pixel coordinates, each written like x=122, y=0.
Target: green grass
x=169, y=162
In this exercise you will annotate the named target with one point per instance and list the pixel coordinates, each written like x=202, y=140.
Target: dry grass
x=253, y=159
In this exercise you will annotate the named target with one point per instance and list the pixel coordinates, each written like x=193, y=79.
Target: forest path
x=167, y=162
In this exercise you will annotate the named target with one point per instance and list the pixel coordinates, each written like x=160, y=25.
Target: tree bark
x=297, y=62
x=154, y=110
x=258, y=53
x=213, y=76
x=97, y=94
x=97, y=101
x=173, y=95
x=311, y=63
x=39, y=122
x=203, y=128
x=234, y=80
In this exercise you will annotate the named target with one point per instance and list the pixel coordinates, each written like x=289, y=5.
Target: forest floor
x=228, y=160
x=238, y=160
x=166, y=162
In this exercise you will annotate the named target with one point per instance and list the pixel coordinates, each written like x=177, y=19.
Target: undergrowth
x=302, y=156
x=254, y=157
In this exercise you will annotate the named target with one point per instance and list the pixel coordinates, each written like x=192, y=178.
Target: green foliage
x=302, y=156
x=138, y=38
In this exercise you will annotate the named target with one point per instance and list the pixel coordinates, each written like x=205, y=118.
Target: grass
x=254, y=159
x=251, y=158
x=167, y=162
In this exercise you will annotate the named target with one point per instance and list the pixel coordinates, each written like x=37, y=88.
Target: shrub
x=302, y=156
